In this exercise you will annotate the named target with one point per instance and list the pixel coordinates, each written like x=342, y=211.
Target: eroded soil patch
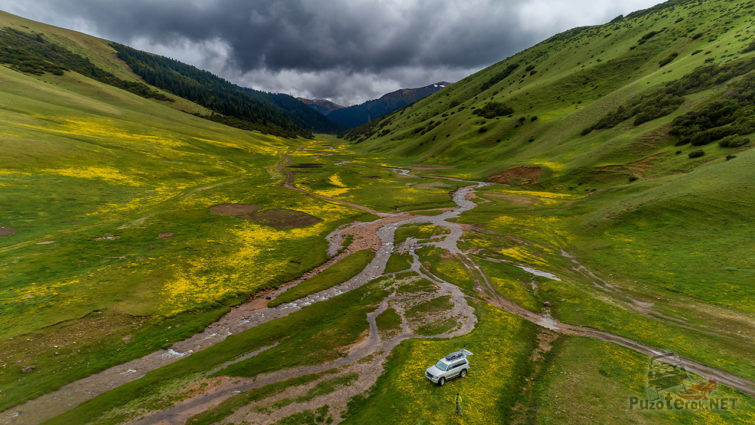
x=283, y=218
x=518, y=176
x=7, y=230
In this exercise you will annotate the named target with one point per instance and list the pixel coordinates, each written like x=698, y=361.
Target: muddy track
x=243, y=317
x=546, y=321
x=256, y=312
x=372, y=345
x=365, y=359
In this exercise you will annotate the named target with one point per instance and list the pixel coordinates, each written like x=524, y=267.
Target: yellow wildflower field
x=404, y=392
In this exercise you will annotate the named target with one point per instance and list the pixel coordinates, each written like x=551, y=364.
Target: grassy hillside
x=109, y=241
x=644, y=123
x=533, y=108
x=35, y=49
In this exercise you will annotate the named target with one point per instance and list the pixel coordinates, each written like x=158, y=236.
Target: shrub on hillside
x=668, y=59
x=733, y=141
x=494, y=109
x=733, y=115
x=667, y=99
x=696, y=154
x=649, y=35
x=711, y=135
x=652, y=107
x=499, y=76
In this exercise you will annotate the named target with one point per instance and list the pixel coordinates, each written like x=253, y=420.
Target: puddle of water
x=401, y=172
x=537, y=272
x=548, y=322
x=173, y=353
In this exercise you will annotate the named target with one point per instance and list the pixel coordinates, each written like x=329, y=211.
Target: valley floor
x=489, y=269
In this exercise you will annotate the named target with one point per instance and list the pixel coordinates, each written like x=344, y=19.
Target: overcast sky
x=347, y=51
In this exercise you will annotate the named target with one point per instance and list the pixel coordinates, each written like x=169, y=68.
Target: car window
x=461, y=363
x=442, y=366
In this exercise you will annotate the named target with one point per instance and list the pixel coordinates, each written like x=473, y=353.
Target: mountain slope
x=354, y=116
x=36, y=48
x=321, y=105
x=301, y=113
x=628, y=80
x=222, y=96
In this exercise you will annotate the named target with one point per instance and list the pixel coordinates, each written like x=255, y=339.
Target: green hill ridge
x=626, y=80
x=37, y=53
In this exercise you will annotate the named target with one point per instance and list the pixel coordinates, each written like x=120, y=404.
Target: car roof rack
x=458, y=354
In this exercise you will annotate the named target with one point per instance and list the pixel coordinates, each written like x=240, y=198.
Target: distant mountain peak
x=356, y=115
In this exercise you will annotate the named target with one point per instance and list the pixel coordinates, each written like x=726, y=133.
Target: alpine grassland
x=566, y=215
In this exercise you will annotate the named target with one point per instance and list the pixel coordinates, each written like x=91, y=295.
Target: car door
x=456, y=368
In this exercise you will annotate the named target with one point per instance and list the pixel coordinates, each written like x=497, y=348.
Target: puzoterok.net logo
x=670, y=387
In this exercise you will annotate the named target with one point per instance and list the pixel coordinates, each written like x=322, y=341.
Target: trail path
x=378, y=234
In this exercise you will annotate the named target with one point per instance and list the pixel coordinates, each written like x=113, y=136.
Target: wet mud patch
x=234, y=209
x=283, y=218
x=7, y=230
x=518, y=176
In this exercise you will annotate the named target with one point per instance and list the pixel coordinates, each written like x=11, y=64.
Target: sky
x=347, y=51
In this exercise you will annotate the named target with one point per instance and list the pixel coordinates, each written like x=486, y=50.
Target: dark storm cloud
x=346, y=50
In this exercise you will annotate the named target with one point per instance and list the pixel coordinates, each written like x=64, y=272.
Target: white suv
x=451, y=366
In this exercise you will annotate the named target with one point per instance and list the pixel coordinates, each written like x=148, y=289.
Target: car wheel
x=441, y=381
x=463, y=373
